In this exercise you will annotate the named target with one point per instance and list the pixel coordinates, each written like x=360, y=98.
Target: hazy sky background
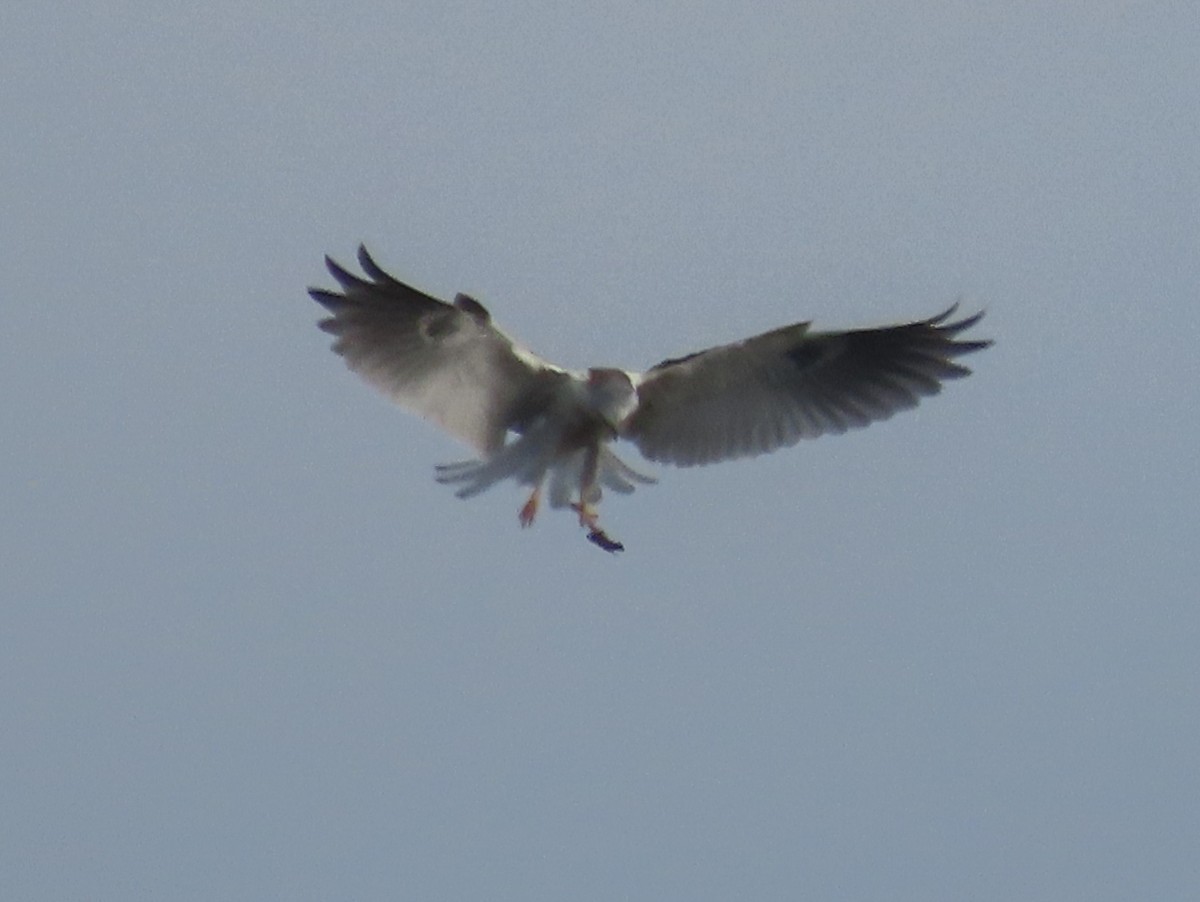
x=250, y=650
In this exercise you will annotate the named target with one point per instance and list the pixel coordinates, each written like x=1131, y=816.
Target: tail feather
x=530, y=459
x=526, y=460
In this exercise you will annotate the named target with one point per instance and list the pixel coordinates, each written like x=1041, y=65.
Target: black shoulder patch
x=438, y=325
x=806, y=354
x=472, y=308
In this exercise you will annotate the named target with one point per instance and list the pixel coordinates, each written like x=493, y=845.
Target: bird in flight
x=550, y=429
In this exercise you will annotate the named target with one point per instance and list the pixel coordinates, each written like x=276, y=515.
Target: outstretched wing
x=446, y=362
x=774, y=389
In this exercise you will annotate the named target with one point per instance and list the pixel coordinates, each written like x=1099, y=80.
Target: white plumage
x=543, y=425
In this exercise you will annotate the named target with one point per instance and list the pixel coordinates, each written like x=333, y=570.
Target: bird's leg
x=530, y=508
x=588, y=516
x=587, y=481
x=589, y=519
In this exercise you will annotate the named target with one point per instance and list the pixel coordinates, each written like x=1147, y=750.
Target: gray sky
x=250, y=650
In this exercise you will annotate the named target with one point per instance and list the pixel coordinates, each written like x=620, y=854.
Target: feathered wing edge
x=446, y=362
x=530, y=458
x=774, y=389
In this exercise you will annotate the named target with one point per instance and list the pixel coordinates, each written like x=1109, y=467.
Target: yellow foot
x=588, y=518
x=529, y=509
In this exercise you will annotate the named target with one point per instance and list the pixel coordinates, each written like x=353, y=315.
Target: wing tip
x=948, y=331
x=348, y=280
x=341, y=275
x=330, y=300
x=370, y=267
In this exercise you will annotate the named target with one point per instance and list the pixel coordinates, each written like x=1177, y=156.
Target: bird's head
x=611, y=394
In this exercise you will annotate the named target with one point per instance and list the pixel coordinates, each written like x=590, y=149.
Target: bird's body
x=545, y=426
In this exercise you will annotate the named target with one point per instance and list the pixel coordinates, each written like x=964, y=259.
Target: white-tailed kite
x=451, y=364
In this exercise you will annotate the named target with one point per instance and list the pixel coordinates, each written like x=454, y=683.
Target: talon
x=530, y=508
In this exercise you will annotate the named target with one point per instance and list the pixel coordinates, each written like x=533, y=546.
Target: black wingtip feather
x=327, y=299
x=960, y=325
x=370, y=267
x=945, y=333
x=941, y=317
x=344, y=277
